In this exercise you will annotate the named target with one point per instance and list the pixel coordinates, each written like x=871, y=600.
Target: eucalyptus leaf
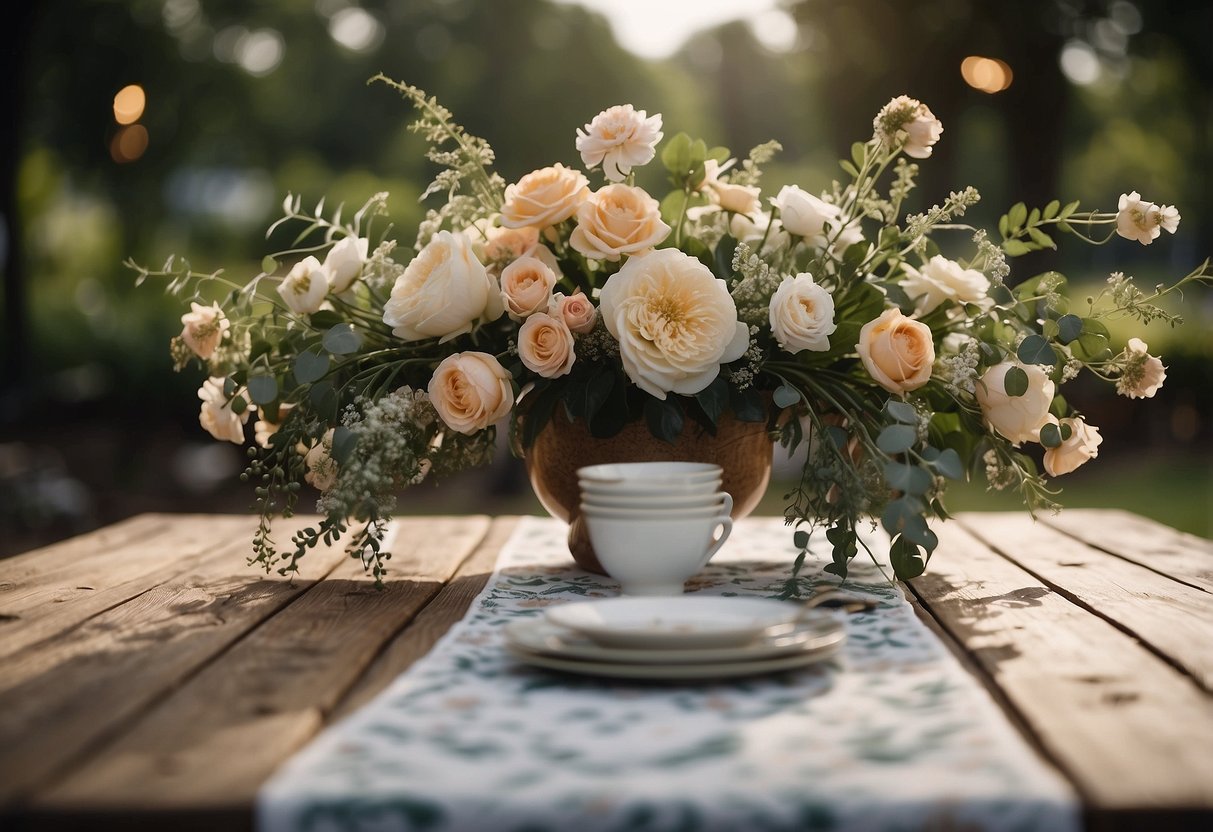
x=1036, y=350
x=344, y=441
x=1015, y=382
x=342, y=340
x=800, y=539
x=906, y=559
x=949, y=464
x=896, y=439
x=310, y=367
x=262, y=389
x=268, y=264
x=1069, y=327
x=902, y=412
x=1050, y=435
x=786, y=396
x=907, y=478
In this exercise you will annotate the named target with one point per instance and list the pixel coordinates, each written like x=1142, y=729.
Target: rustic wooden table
x=149, y=680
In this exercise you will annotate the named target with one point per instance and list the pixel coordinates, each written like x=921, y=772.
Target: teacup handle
x=727, y=522
x=728, y=503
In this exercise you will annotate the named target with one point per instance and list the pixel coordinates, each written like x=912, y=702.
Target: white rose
x=674, y=320
x=217, y=416
x=802, y=314
x=1082, y=445
x=619, y=138
x=526, y=286
x=804, y=214
x=544, y=197
x=545, y=345
x=205, y=327
x=470, y=391
x=942, y=280
x=442, y=292
x=344, y=262
x=1018, y=418
x=1142, y=374
x=320, y=467
x=896, y=351
x=576, y=310
x=305, y=286
x=618, y=220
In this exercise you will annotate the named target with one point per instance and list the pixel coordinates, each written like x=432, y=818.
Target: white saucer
x=699, y=670
x=536, y=635
x=674, y=622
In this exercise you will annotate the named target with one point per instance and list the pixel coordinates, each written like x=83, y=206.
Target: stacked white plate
x=678, y=637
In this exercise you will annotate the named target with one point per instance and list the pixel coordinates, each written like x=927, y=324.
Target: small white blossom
x=1143, y=221
x=217, y=416
x=305, y=286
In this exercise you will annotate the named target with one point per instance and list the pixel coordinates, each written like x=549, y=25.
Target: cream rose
x=526, y=286
x=470, y=391
x=1082, y=445
x=739, y=199
x=205, y=327
x=909, y=124
x=544, y=197
x=344, y=262
x=545, y=345
x=305, y=285
x=618, y=220
x=942, y=280
x=804, y=214
x=320, y=469
x=576, y=310
x=802, y=314
x=898, y=352
x=1018, y=418
x=674, y=320
x=443, y=292
x=620, y=138
x=217, y=416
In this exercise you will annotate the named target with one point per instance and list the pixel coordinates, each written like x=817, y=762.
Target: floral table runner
x=892, y=734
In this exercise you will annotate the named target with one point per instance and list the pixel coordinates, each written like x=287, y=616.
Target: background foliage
x=246, y=101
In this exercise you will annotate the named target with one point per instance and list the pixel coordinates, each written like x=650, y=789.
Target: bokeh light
x=129, y=143
x=989, y=75
x=129, y=104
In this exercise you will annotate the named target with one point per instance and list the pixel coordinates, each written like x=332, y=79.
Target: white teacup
x=650, y=488
x=721, y=503
x=655, y=556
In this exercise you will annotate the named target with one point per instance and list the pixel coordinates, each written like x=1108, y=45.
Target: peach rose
x=576, y=310
x=675, y=322
x=896, y=351
x=443, y=292
x=470, y=391
x=545, y=345
x=618, y=220
x=205, y=327
x=544, y=197
x=526, y=286
x=1018, y=418
x=505, y=245
x=1082, y=445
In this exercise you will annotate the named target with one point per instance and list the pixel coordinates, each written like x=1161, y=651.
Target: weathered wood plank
x=1183, y=556
x=448, y=607
x=1132, y=732
x=59, y=700
x=36, y=605
x=1175, y=619
x=211, y=744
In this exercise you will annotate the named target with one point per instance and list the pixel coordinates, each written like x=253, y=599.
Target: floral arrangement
x=365, y=367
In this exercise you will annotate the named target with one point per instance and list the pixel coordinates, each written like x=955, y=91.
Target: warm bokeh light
x=128, y=143
x=129, y=104
x=989, y=75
